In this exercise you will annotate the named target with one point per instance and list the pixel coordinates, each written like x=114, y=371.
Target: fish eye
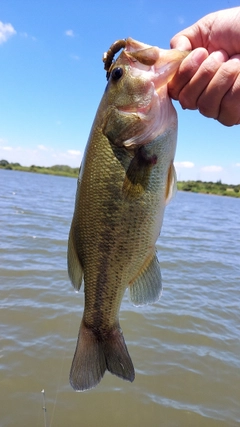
x=117, y=73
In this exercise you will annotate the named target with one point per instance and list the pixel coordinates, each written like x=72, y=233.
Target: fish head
x=137, y=104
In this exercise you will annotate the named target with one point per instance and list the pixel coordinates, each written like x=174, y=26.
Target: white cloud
x=27, y=36
x=186, y=164
x=6, y=31
x=75, y=57
x=212, y=168
x=238, y=165
x=6, y=148
x=42, y=147
x=69, y=33
x=74, y=152
x=180, y=20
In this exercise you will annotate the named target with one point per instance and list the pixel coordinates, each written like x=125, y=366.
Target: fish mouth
x=159, y=66
x=151, y=108
x=162, y=62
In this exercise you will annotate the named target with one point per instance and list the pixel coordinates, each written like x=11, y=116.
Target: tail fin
x=95, y=354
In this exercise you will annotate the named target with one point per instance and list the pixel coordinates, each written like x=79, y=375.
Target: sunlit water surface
x=185, y=348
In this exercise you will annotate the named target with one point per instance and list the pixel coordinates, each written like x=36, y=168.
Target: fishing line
x=44, y=408
x=61, y=370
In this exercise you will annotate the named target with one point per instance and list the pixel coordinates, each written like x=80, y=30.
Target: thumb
x=180, y=42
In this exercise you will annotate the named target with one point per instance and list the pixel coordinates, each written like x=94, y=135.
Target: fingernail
x=199, y=55
x=219, y=55
x=235, y=58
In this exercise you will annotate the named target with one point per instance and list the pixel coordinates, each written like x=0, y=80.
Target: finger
x=189, y=95
x=180, y=42
x=190, y=38
x=210, y=101
x=229, y=114
x=186, y=71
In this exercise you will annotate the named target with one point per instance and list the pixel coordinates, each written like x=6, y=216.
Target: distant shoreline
x=217, y=188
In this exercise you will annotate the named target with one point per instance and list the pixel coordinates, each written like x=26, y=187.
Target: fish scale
x=126, y=178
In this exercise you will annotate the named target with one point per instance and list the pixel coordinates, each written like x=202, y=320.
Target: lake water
x=185, y=348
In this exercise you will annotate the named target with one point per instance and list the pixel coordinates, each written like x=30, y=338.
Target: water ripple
x=185, y=348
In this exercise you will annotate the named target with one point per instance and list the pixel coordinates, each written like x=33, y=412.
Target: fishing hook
x=109, y=55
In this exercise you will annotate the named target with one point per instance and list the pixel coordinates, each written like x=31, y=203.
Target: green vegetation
x=192, y=186
x=61, y=170
x=210, y=188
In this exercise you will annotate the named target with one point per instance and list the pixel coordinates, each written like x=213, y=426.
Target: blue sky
x=52, y=80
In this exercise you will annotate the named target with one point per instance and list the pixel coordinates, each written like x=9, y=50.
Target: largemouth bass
x=125, y=181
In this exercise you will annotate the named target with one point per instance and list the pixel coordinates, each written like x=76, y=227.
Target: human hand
x=208, y=79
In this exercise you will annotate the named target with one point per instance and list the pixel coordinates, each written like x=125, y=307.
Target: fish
x=126, y=179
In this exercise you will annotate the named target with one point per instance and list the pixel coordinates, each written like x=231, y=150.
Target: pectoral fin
x=75, y=270
x=146, y=288
x=138, y=174
x=171, y=184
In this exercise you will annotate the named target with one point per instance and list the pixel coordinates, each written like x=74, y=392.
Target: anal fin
x=146, y=288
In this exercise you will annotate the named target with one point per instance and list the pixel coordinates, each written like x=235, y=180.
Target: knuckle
x=230, y=101
x=206, y=109
x=230, y=106
x=187, y=101
x=226, y=121
x=211, y=64
x=228, y=73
